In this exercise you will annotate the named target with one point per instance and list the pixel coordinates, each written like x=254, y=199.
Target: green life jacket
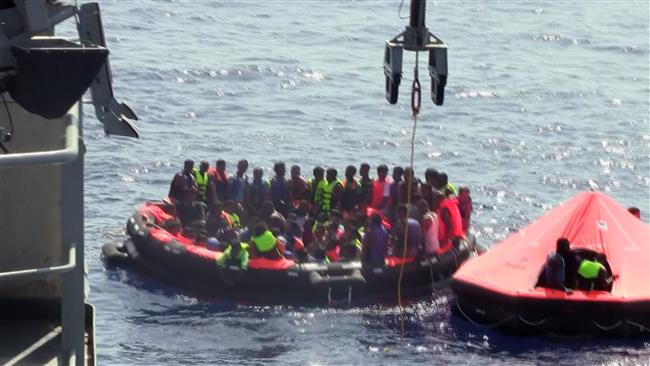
x=451, y=188
x=202, y=182
x=235, y=220
x=357, y=243
x=265, y=242
x=328, y=192
x=242, y=257
x=589, y=269
x=317, y=191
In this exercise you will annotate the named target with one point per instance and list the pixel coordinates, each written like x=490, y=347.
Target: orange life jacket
x=451, y=204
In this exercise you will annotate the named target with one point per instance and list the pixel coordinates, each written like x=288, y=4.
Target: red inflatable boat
x=504, y=287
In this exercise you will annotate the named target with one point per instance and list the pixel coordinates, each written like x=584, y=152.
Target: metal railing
x=72, y=262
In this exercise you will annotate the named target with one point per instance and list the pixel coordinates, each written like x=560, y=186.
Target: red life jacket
x=333, y=254
x=378, y=188
x=451, y=204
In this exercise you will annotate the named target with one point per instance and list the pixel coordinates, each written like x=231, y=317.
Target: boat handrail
x=61, y=156
x=72, y=262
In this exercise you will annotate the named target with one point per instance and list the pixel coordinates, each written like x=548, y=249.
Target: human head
x=350, y=172
x=635, y=212
x=203, y=166
x=430, y=175
x=382, y=172
x=221, y=165
x=258, y=173
x=397, y=173
x=280, y=169
x=318, y=173
x=260, y=228
x=331, y=174
x=442, y=180
x=463, y=191
x=408, y=173
x=267, y=208
x=364, y=170
x=563, y=246
x=375, y=219
x=242, y=166
x=188, y=165
x=295, y=172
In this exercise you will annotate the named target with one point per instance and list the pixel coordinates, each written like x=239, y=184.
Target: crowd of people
x=321, y=219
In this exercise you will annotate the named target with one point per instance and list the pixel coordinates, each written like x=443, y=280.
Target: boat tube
x=505, y=287
x=175, y=259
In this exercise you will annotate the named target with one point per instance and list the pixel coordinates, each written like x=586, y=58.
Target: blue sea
x=544, y=100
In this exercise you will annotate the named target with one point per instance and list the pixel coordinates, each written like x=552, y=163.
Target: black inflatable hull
x=304, y=284
x=529, y=316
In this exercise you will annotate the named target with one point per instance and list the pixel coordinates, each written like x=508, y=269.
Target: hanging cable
x=416, y=98
x=399, y=10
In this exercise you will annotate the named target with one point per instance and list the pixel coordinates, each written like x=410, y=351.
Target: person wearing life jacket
x=234, y=209
x=237, y=183
x=351, y=250
x=330, y=191
x=315, y=187
x=219, y=178
x=466, y=207
x=366, y=185
x=201, y=176
x=218, y=220
x=235, y=254
x=381, y=199
x=256, y=193
x=298, y=186
x=352, y=194
x=265, y=243
x=183, y=187
x=279, y=188
x=593, y=275
x=450, y=229
x=429, y=225
x=375, y=241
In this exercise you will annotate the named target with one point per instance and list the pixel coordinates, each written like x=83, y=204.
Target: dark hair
x=430, y=173
x=399, y=170
x=332, y=171
x=443, y=179
x=188, y=162
x=351, y=168
x=278, y=165
x=634, y=210
x=382, y=168
x=221, y=162
x=364, y=165
x=318, y=169
x=295, y=167
x=563, y=246
x=375, y=219
x=260, y=228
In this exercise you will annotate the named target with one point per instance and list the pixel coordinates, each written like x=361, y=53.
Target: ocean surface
x=544, y=100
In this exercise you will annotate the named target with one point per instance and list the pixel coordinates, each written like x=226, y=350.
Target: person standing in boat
x=429, y=225
x=315, y=186
x=238, y=182
x=280, y=189
x=428, y=186
x=413, y=239
x=351, y=195
x=443, y=185
x=398, y=171
x=256, y=193
x=381, y=199
x=404, y=187
x=201, y=176
x=375, y=241
x=298, y=186
x=450, y=222
x=366, y=185
x=466, y=207
x=330, y=192
x=183, y=187
x=220, y=180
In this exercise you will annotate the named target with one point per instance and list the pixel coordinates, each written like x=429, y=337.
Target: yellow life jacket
x=202, y=182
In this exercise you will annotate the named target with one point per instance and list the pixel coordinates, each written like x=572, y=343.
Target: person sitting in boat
x=351, y=249
x=235, y=254
x=238, y=182
x=351, y=193
x=635, y=212
x=298, y=186
x=318, y=239
x=332, y=247
x=219, y=178
x=256, y=193
x=201, y=177
x=413, y=235
x=315, y=188
x=366, y=184
x=442, y=184
x=302, y=213
x=265, y=244
x=217, y=220
x=429, y=225
x=279, y=189
x=593, y=275
x=556, y=265
x=235, y=210
x=375, y=242
x=465, y=207
x=183, y=187
x=272, y=218
x=293, y=235
x=381, y=199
